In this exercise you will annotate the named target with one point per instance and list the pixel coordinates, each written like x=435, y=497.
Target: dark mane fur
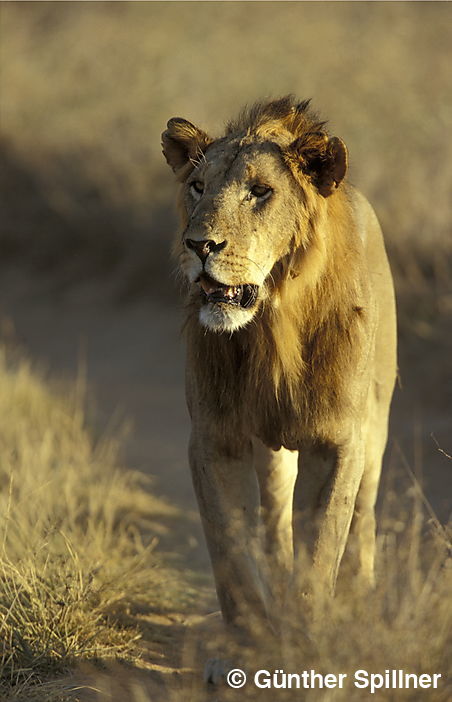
x=287, y=110
x=292, y=116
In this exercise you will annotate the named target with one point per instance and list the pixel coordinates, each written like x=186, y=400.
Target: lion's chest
x=251, y=388
x=245, y=401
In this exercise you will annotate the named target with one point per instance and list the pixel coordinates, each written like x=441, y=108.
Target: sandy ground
x=133, y=355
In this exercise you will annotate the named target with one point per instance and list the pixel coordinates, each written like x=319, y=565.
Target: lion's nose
x=204, y=247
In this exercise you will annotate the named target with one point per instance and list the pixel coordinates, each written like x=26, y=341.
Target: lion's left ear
x=182, y=142
x=325, y=163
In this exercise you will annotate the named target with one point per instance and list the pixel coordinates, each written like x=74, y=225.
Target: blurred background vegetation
x=87, y=88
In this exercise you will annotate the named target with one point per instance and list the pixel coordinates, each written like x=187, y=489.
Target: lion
x=291, y=349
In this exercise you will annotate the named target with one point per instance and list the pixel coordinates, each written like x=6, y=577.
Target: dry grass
x=404, y=624
x=76, y=544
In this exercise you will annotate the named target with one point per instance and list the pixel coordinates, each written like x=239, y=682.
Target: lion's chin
x=219, y=317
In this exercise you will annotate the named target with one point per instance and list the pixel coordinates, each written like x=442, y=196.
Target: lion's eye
x=261, y=191
x=197, y=188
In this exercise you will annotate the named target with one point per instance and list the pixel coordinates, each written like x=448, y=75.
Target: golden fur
x=311, y=365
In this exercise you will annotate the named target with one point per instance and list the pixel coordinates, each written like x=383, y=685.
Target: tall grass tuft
x=72, y=554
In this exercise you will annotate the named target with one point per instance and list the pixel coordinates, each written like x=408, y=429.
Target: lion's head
x=251, y=204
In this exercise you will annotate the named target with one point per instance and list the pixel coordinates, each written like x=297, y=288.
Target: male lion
x=291, y=347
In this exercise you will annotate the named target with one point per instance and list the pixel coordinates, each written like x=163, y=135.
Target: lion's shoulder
x=363, y=214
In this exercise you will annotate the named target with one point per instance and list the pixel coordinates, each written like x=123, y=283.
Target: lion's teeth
x=217, y=292
x=208, y=286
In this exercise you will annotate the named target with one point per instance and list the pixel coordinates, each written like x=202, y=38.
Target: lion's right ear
x=324, y=160
x=183, y=142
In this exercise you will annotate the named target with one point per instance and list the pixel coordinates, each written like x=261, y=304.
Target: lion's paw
x=215, y=671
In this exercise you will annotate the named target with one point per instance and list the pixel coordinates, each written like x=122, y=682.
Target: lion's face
x=244, y=208
x=237, y=210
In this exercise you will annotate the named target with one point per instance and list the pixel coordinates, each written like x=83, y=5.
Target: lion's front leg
x=228, y=496
x=335, y=510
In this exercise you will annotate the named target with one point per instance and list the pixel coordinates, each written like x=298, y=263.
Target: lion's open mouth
x=241, y=295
